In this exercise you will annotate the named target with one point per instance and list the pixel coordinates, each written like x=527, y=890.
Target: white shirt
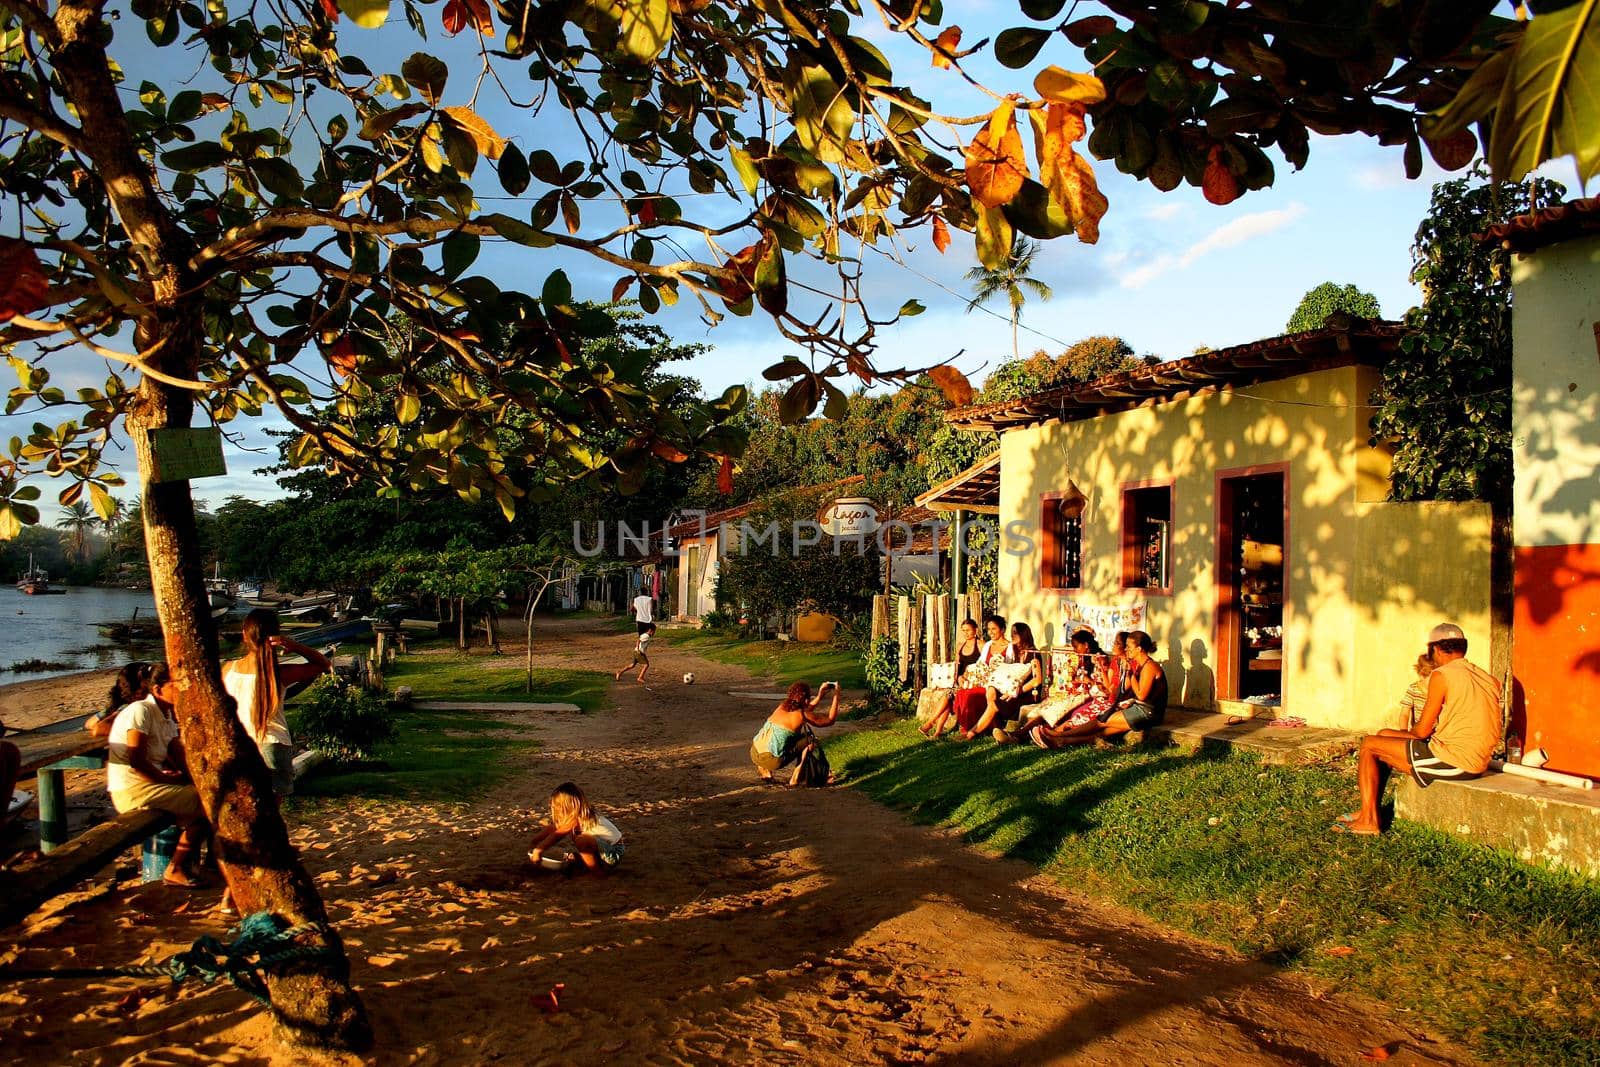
x=605, y=831
x=643, y=645
x=644, y=608
x=241, y=685
x=146, y=717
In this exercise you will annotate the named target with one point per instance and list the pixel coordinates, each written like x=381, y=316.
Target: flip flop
x=1349, y=816
x=1037, y=736
x=1346, y=828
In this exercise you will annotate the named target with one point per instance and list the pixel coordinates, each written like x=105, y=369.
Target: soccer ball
x=688, y=679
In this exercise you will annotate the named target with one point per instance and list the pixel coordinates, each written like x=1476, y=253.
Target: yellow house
x=1230, y=505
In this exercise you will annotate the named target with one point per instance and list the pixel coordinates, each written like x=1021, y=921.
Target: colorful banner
x=1104, y=619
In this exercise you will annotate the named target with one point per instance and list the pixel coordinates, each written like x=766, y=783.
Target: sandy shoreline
x=38, y=702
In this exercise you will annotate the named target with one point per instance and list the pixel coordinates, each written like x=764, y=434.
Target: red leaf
x=740, y=282
x=647, y=211
x=725, y=476
x=481, y=18
x=668, y=451
x=944, y=46
x=455, y=17
x=23, y=286
x=996, y=166
x=330, y=8
x=622, y=286
x=342, y=357
x=953, y=384
x=550, y=1002
x=1341, y=950
x=941, y=234
x=1218, y=183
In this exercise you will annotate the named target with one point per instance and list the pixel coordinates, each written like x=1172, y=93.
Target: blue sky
x=1171, y=272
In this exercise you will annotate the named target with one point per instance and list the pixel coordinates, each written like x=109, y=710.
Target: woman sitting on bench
x=146, y=770
x=131, y=684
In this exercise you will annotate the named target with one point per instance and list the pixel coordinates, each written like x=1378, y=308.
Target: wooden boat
x=36, y=581
x=220, y=591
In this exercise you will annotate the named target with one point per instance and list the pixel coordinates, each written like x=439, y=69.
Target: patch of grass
x=440, y=755
x=446, y=674
x=1496, y=953
x=780, y=661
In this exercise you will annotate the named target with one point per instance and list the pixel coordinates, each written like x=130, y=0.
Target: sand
x=747, y=924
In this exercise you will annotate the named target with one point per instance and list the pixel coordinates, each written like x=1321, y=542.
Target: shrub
x=343, y=720
x=885, y=690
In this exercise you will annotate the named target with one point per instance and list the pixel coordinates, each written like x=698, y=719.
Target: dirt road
x=746, y=924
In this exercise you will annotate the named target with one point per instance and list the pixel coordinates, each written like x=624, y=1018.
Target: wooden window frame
x=1052, y=578
x=1128, y=579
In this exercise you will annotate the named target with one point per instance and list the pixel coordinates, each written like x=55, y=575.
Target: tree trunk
x=312, y=1000
x=461, y=624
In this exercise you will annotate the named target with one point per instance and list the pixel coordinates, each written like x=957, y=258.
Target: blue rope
x=260, y=941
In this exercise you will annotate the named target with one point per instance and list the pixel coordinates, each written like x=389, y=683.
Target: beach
x=746, y=924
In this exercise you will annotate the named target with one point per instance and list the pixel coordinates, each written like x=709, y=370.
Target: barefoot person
x=596, y=843
x=1003, y=706
x=641, y=655
x=971, y=700
x=785, y=736
x=257, y=682
x=1143, y=706
x=967, y=652
x=146, y=770
x=1455, y=735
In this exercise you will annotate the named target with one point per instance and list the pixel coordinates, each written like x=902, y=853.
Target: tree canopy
x=1323, y=300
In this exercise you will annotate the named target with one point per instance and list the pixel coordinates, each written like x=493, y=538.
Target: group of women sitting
x=147, y=767
x=1092, y=696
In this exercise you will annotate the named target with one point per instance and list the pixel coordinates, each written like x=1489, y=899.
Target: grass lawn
x=441, y=755
x=780, y=661
x=442, y=673
x=1502, y=956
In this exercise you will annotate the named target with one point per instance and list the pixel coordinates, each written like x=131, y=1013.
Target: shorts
x=181, y=801
x=1426, y=767
x=641, y=626
x=1140, y=715
x=280, y=761
x=767, y=763
x=611, y=854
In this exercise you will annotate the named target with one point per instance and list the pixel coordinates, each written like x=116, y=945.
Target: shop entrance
x=1252, y=524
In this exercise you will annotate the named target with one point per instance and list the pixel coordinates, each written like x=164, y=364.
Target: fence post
x=903, y=634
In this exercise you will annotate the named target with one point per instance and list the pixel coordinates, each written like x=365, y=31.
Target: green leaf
x=557, y=290
x=459, y=250
x=514, y=176
x=746, y=168
x=789, y=368
x=185, y=107
x=105, y=505
x=277, y=175
x=368, y=14
x=407, y=406
x=195, y=157
x=426, y=74
x=1018, y=46
x=1042, y=10
x=516, y=230
x=1550, y=103
x=911, y=308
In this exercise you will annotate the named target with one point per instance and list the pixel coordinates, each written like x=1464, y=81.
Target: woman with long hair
x=130, y=684
x=968, y=650
x=786, y=734
x=1030, y=691
x=1143, y=705
x=146, y=769
x=971, y=698
x=257, y=681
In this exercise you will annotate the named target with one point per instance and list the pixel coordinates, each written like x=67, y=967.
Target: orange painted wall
x=1556, y=654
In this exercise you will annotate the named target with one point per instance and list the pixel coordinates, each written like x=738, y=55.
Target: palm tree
x=109, y=523
x=1009, y=280
x=78, y=521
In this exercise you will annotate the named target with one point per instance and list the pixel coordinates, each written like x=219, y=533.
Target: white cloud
x=1166, y=210
x=1235, y=232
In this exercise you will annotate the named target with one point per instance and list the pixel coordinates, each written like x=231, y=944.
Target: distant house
x=1556, y=494
x=1230, y=505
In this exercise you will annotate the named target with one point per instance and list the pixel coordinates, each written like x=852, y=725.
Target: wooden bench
x=49, y=752
x=24, y=887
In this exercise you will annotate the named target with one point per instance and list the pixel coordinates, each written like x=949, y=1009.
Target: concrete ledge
x=1286, y=746
x=1540, y=823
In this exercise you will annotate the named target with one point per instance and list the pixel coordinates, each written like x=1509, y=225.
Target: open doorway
x=1252, y=527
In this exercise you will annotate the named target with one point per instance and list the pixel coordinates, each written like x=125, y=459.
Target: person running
x=147, y=769
x=644, y=611
x=785, y=736
x=1458, y=730
x=596, y=843
x=257, y=682
x=641, y=655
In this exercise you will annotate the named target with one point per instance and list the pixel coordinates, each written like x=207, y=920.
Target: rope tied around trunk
x=261, y=941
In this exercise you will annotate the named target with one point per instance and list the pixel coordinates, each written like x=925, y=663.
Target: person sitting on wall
x=971, y=699
x=967, y=652
x=1457, y=732
x=1004, y=705
x=1142, y=705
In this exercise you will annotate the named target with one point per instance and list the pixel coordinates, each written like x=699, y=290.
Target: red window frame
x=1052, y=563
x=1132, y=573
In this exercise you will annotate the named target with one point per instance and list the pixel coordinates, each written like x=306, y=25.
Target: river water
x=62, y=629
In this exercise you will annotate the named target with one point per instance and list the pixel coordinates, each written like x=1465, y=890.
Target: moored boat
x=35, y=581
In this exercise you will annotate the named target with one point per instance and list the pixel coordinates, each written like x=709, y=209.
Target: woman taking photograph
x=257, y=681
x=785, y=736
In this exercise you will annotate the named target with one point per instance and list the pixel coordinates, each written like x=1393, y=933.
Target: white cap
x=1446, y=631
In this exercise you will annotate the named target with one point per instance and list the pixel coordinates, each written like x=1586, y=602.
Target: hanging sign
x=1104, y=619
x=182, y=454
x=852, y=516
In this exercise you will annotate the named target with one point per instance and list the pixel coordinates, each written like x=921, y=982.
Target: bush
x=343, y=720
x=885, y=690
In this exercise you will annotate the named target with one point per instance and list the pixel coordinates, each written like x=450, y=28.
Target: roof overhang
x=1539, y=229
x=975, y=489
x=1347, y=341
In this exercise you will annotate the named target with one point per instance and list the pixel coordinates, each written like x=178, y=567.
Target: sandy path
x=747, y=924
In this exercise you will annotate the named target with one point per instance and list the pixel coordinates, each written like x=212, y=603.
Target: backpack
x=814, y=769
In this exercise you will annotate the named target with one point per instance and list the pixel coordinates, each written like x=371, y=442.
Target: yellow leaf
x=953, y=384
x=489, y=143
x=992, y=237
x=1066, y=87
x=996, y=167
x=944, y=46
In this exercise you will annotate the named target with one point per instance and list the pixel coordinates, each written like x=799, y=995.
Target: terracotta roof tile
x=1552, y=225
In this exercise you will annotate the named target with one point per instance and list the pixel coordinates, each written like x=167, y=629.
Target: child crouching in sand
x=596, y=841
